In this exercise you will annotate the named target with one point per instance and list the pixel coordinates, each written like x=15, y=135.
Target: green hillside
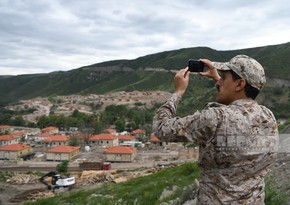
x=179, y=181
x=128, y=75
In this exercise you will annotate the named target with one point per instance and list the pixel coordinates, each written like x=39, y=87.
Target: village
x=23, y=145
x=94, y=158
x=65, y=105
x=51, y=145
x=98, y=160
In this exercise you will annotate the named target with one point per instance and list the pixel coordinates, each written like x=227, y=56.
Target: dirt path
x=15, y=194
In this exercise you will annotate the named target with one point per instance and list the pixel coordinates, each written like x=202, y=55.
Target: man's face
x=225, y=88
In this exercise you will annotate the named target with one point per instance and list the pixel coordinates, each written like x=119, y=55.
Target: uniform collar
x=243, y=102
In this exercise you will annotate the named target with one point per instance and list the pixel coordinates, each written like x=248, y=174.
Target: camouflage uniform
x=237, y=146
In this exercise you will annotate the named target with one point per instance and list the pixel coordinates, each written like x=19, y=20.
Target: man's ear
x=240, y=84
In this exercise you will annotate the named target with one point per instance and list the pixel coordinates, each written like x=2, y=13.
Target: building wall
x=52, y=132
x=8, y=155
x=54, y=144
x=6, y=130
x=120, y=157
x=106, y=143
x=57, y=156
x=24, y=152
x=14, y=155
x=50, y=156
x=8, y=142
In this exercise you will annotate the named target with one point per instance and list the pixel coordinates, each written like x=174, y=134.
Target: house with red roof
x=120, y=154
x=41, y=136
x=8, y=139
x=55, y=140
x=15, y=151
x=125, y=138
x=105, y=140
x=155, y=141
x=62, y=152
x=139, y=134
x=83, y=138
x=19, y=134
x=50, y=130
x=6, y=129
x=111, y=131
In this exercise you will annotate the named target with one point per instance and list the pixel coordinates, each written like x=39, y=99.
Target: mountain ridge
x=133, y=74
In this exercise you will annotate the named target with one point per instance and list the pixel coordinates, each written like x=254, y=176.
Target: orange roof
x=126, y=137
x=110, y=130
x=14, y=147
x=120, y=150
x=5, y=126
x=56, y=138
x=64, y=149
x=154, y=139
x=103, y=137
x=44, y=135
x=18, y=134
x=138, y=131
x=49, y=128
x=6, y=137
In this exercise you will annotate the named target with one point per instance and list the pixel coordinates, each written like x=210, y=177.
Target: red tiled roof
x=14, y=147
x=120, y=150
x=103, y=137
x=6, y=137
x=49, y=128
x=126, y=137
x=64, y=149
x=56, y=138
x=110, y=130
x=18, y=134
x=154, y=139
x=5, y=126
x=44, y=135
x=138, y=131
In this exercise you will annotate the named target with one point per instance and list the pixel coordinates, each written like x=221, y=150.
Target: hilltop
x=153, y=72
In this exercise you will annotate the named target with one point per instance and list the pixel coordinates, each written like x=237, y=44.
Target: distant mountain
x=131, y=75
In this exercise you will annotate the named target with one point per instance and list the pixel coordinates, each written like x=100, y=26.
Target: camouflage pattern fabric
x=247, y=68
x=237, y=146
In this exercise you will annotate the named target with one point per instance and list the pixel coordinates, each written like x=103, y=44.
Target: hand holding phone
x=195, y=65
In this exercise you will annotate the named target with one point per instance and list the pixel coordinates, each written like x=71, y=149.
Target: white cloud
x=47, y=35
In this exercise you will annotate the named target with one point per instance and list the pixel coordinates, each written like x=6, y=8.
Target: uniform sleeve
x=198, y=128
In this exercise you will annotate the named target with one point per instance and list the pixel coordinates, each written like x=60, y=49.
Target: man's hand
x=181, y=81
x=211, y=72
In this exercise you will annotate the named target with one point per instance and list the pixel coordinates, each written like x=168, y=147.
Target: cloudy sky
x=41, y=36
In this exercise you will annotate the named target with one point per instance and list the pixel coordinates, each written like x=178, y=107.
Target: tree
x=22, y=139
x=43, y=121
x=120, y=124
x=19, y=121
x=74, y=141
x=99, y=127
x=62, y=167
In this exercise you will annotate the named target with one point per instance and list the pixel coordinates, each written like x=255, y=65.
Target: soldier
x=237, y=137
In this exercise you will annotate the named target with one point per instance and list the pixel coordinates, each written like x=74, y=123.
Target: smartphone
x=195, y=65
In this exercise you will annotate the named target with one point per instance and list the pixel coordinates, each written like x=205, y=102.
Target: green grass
x=5, y=175
x=142, y=191
x=148, y=189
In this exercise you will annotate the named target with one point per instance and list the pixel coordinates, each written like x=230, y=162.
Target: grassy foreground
x=148, y=189
x=142, y=191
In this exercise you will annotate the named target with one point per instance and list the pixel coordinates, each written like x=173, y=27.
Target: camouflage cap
x=247, y=68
